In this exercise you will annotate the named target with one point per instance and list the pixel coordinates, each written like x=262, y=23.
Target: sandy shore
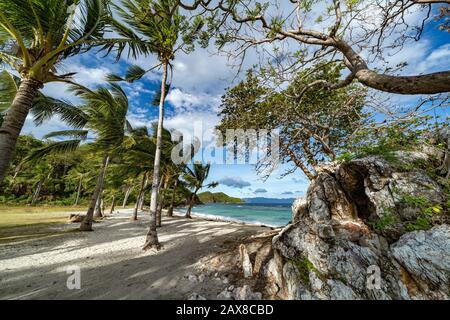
x=111, y=261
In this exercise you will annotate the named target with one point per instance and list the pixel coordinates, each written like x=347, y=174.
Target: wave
x=228, y=219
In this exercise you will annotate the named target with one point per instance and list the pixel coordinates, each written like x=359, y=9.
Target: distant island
x=217, y=197
x=269, y=200
x=220, y=197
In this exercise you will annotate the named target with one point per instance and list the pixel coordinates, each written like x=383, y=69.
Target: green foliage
x=218, y=197
x=417, y=201
x=196, y=177
x=405, y=134
x=421, y=223
x=345, y=157
x=304, y=267
x=428, y=212
x=41, y=33
x=314, y=126
x=387, y=220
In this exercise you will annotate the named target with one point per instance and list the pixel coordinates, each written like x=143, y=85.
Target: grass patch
x=25, y=222
x=304, y=266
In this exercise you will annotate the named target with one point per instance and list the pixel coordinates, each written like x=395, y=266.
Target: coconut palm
x=195, y=179
x=35, y=37
x=79, y=176
x=137, y=155
x=102, y=115
x=159, y=24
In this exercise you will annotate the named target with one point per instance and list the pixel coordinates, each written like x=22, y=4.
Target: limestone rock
x=299, y=209
x=195, y=296
x=426, y=257
x=349, y=239
x=246, y=293
x=225, y=295
x=245, y=261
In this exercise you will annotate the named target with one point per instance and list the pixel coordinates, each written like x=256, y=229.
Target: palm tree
x=160, y=24
x=103, y=115
x=80, y=176
x=137, y=155
x=35, y=37
x=43, y=172
x=195, y=179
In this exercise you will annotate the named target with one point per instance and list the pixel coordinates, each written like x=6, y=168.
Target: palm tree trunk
x=98, y=213
x=152, y=235
x=80, y=183
x=37, y=191
x=127, y=194
x=16, y=172
x=142, y=198
x=191, y=204
x=14, y=121
x=113, y=204
x=86, y=224
x=39, y=187
x=138, y=199
x=172, y=201
x=161, y=203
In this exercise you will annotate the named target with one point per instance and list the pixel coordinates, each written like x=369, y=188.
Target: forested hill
x=218, y=197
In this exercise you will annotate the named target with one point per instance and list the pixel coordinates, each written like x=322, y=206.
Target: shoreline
x=211, y=217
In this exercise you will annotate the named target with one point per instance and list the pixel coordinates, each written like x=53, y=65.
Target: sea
x=274, y=215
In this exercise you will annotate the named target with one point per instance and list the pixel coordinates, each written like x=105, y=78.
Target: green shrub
x=384, y=222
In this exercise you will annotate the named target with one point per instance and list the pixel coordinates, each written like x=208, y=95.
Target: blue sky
x=200, y=79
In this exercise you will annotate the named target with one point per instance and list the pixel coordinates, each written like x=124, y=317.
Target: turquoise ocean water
x=275, y=215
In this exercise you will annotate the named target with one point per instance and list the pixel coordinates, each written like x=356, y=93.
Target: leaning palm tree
x=195, y=179
x=35, y=37
x=103, y=115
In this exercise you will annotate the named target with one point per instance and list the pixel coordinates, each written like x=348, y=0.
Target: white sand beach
x=112, y=264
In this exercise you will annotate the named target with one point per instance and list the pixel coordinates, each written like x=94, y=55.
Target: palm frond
x=134, y=73
x=53, y=148
x=44, y=108
x=77, y=134
x=112, y=77
x=8, y=89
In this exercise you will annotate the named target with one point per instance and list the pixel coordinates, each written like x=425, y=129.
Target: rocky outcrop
x=75, y=218
x=369, y=228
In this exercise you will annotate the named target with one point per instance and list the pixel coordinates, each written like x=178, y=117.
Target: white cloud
x=185, y=101
x=194, y=123
x=54, y=124
x=88, y=77
x=437, y=60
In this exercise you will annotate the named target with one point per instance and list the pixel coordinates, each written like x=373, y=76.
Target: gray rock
x=225, y=295
x=325, y=231
x=426, y=257
x=75, y=218
x=191, y=277
x=245, y=261
x=333, y=250
x=195, y=296
x=299, y=209
x=246, y=293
